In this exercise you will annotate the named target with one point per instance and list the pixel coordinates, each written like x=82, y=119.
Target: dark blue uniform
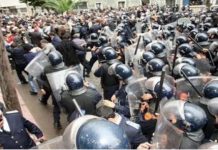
x=133, y=132
x=18, y=137
x=123, y=105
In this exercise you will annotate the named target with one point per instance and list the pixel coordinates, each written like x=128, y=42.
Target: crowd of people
x=157, y=68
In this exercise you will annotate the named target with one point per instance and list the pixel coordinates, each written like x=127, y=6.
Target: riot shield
x=212, y=106
x=203, y=65
x=183, y=21
x=37, y=65
x=183, y=86
x=138, y=27
x=135, y=91
x=166, y=135
x=133, y=58
x=57, y=81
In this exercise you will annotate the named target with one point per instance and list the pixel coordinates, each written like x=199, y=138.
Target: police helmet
x=146, y=41
x=210, y=90
x=91, y=132
x=153, y=85
x=193, y=33
x=94, y=37
x=147, y=56
x=186, y=60
x=123, y=71
x=190, y=26
x=109, y=53
x=155, y=66
x=207, y=26
x=55, y=58
x=189, y=117
x=155, y=26
x=181, y=40
x=187, y=69
x=186, y=50
x=158, y=49
x=102, y=40
x=74, y=82
x=171, y=28
x=202, y=39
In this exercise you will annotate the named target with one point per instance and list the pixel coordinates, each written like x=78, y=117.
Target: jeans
x=33, y=85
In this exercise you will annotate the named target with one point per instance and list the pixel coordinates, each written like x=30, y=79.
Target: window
x=98, y=5
x=196, y=2
x=121, y=4
x=82, y=5
x=23, y=10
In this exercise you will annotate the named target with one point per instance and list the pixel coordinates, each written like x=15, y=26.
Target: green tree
x=34, y=3
x=59, y=6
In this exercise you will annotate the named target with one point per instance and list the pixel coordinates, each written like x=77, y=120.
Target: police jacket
x=133, y=132
x=87, y=101
x=122, y=107
x=18, y=137
x=107, y=80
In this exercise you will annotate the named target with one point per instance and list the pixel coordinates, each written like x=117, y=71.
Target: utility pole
x=7, y=82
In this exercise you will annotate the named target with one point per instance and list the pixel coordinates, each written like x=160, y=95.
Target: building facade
x=13, y=6
x=95, y=4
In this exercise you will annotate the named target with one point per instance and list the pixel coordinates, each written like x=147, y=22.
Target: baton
x=137, y=46
x=78, y=107
x=210, y=55
x=187, y=79
x=160, y=91
x=174, y=59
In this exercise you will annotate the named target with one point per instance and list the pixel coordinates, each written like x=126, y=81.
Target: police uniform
x=123, y=105
x=18, y=137
x=56, y=109
x=109, y=83
x=132, y=130
x=86, y=101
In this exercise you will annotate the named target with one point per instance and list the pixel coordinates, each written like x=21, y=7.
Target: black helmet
x=123, y=71
x=186, y=60
x=94, y=37
x=186, y=50
x=181, y=40
x=153, y=85
x=91, y=132
x=207, y=26
x=189, y=117
x=147, y=56
x=155, y=26
x=166, y=34
x=146, y=40
x=158, y=49
x=187, y=69
x=109, y=53
x=210, y=90
x=155, y=66
x=171, y=28
x=74, y=82
x=102, y=40
x=55, y=58
x=190, y=26
x=193, y=33
x=202, y=39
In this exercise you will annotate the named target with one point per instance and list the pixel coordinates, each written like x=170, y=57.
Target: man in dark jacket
x=13, y=131
x=17, y=54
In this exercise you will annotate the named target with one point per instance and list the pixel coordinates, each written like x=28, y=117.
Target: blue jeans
x=33, y=85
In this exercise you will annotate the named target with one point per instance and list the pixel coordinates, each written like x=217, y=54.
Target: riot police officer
x=106, y=110
x=109, y=83
x=57, y=64
x=86, y=96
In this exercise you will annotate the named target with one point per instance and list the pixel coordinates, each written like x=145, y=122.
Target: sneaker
x=57, y=125
x=43, y=102
x=33, y=93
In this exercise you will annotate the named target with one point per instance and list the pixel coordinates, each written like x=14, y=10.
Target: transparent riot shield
x=135, y=91
x=133, y=57
x=112, y=36
x=57, y=81
x=37, y=65
x=166, y=135
x=183, y=86
x=138, y=27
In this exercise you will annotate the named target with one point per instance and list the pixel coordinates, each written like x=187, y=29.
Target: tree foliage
x=59, y=6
